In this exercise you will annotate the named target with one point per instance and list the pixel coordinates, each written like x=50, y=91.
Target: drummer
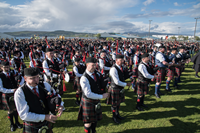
x=161, y=62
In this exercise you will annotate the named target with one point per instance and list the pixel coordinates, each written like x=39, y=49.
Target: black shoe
x=120, y=117
x=12, y=128
x=177, y=87
x=77, y=103
x=157, y=96
x=139, y=108
x=144, y=105
x=169, y=90
x=116, y=120
x=18, y=125
x=197, y=76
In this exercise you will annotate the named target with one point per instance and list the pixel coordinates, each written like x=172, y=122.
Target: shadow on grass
x=68, y=123
x=179, y=110
x=178, y=127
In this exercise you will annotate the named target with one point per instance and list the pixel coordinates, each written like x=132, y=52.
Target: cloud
x=197, y=6
x=62, y=14
x=89, y=16
x=176, y=4
x=143, y=9
x=191, y=12
x=116, y=26
x=147, y=2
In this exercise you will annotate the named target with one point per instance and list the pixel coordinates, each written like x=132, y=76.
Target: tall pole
x=178, y=31
x=195, y=27
x=149, y=26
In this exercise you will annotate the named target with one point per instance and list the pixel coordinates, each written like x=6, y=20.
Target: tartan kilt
x=1, y=105
x=8, y=105
x=177, y=71
x=87, y=110
x=160, y=75
x=142, y=87
x=115, y=97
x=170, y=72
x=32, y=127
x=77, y=85
x=135, y=72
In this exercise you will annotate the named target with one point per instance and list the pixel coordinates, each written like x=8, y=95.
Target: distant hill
x=50, y=33
x=147, y=33
x=73, y=34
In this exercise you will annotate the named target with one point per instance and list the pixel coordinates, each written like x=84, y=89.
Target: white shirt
x=102, y=65
x=75, y=70
x=114, y=56
x=46, y=68
x=85, y=85
x=10, y=90
x=43, y=55
x=126, y=54
x=31, y=63
x=143, y=69
x=136, y=58
x=22, y=57
x=160, y=57
x=115, y=76
x=12, y=61
x=23, y=108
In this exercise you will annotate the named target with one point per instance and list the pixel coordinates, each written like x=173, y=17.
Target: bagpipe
x=126, y=70
x=53, y=100
x=60, y=74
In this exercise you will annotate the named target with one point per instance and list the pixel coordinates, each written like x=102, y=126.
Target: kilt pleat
x=135, y=72
x=142, y=87
x=170, y=72
x=77, y=85
x=8, y=105
x=177, y=71
x=1, y=105
x=160, y=75
x=87, y=111
x=115, y=97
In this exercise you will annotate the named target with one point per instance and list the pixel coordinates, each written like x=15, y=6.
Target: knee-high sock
x=77, y=96
x=114, y=110
x=196, y=73
x=157, y=89
x=139, y=101
x=15, y=114
x=87, y=129
x=93, y=127
x=10, y=117
x=175, y=81
x=179, y=79
x=142, y=100
x=80, y=95
x=118, y=110
x=167, y=84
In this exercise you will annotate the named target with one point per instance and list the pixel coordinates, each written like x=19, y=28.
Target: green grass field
x=176, y=112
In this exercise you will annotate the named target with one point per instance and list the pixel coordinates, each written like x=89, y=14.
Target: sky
x=99, y=16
